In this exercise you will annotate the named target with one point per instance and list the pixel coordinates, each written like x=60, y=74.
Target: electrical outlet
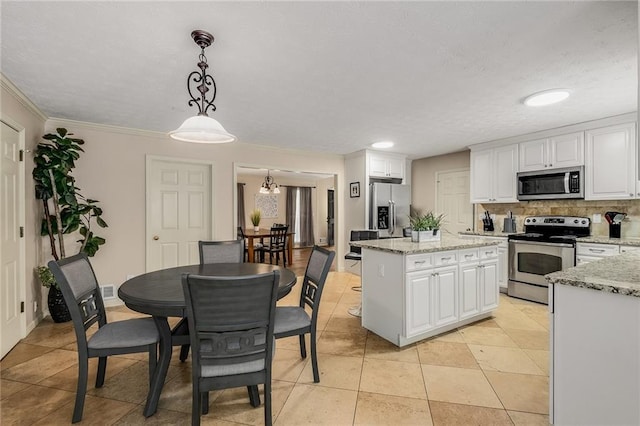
x=381, y=270
x=597, y=218
x=35, y=306
x=493, y=217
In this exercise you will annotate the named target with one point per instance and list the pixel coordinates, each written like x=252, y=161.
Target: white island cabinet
x=411, y=291
x=595, y=342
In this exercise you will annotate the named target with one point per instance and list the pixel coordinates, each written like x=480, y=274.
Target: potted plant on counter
x=425, y=227
x=255, y=219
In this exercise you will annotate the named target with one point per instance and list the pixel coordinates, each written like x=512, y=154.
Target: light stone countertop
x=614, y=274
x=607, y=240
x=405, y=246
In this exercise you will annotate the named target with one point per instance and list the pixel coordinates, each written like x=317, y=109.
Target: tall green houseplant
x=56, y=187
x=65, y=209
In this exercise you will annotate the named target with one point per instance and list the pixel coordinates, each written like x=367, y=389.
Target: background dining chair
x=221, y=251
x=231, y=321
x=277, y=244
x=295, y=320
x=210, y=252
x=256, y=246
x=82, y=295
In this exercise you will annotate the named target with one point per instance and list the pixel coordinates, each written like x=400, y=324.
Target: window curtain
x=241, y=215
x=306, y=218
x=290, y=208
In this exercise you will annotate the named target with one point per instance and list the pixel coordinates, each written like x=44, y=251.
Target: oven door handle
x=540, y=243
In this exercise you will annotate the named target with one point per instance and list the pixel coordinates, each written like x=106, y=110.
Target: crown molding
x=21, y=97
x=64, y=122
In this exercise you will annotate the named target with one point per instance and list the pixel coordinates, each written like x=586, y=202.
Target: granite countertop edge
x=615, y=274
x=496, y=234
x=606, y=240
x=406, y=246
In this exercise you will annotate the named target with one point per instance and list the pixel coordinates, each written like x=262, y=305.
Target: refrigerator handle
x=392, y=217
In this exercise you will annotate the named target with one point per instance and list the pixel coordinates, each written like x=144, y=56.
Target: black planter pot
x=57, y=306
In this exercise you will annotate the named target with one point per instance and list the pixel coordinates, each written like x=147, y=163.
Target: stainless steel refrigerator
x=389, y=208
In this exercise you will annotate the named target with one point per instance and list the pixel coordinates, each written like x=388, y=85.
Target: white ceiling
x=329, y=76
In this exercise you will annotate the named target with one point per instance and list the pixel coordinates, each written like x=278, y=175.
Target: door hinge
x=22, y=232
x=21, y=155
x=21, y=307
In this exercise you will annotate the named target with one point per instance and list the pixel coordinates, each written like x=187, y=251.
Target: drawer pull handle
x=596, y=250
x=468, y=255
x=488, y=252
x=445, y=258
x=419, y=262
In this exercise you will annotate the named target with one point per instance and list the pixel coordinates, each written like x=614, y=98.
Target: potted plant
x=255, y=219
x=425, y=227
x=72, y=212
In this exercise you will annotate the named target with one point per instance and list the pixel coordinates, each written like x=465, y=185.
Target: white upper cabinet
x=610, y=167
x=386, y=166
x=551, y=153
x=493, y=175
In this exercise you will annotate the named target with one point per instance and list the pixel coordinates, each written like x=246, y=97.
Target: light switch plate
x=597, y=218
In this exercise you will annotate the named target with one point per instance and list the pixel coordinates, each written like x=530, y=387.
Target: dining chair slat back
x=231, y=321
x=294, y=320
x=77, y=281
x=277, y=244
x=221, y=251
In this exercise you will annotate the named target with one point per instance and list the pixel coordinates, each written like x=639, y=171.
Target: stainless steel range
x=548, y=245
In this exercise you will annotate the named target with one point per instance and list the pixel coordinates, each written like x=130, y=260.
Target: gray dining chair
x=277, y=244
x=210, y=252
x=80, y=290
x=221, y=251
x=231, y=321
x=295, y=320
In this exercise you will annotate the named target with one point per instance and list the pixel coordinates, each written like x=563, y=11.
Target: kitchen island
x=595, y=342
x=411, y=291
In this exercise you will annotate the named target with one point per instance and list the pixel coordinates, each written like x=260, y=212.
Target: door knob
x=156, y=238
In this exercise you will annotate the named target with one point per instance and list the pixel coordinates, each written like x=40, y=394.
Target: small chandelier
x=202, y=128
x=269, y=186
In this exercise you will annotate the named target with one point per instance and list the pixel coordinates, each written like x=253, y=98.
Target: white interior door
x=452, y=200
x=179, y=211
x=12, y=320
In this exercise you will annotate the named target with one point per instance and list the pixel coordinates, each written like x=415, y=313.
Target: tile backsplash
x=630, y=225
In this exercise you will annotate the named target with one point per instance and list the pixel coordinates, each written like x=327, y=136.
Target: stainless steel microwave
x=551, y=184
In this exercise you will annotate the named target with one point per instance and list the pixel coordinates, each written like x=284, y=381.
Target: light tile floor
x=490, y=373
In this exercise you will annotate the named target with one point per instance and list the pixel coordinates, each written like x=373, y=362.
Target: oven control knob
x=576, y=221
x=533, y=220
x=584, y=222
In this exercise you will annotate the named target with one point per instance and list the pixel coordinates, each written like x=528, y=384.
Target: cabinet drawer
x=468, y=255
x=416, y=262
x=445, y=258
x=626, y=249
x=602, y=250
x=490, y=252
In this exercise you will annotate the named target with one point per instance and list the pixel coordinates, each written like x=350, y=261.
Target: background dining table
x=160, y=294
x=251, y=234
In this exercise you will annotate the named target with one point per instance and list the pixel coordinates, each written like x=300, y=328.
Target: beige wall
x=17, y=114
x=423, y=177
x=112, y=170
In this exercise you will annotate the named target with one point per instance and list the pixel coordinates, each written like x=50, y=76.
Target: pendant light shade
x=202, y=129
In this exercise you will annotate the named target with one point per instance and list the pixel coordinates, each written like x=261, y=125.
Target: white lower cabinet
x=407, y=298
x=588, y=252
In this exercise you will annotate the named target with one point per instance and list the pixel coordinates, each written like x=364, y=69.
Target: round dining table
x=159, y=294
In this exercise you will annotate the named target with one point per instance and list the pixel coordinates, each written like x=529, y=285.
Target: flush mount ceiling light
x=269, y=186
x=546, y=97
x=382, y=144
x=202, y=128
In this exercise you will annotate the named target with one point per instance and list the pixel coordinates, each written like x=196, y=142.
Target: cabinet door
x=610, y=163
x=419, y=316
x=489, y=285
x=505, y=165
x=503, y=265
x=395, y=168
x=377, y=166
x=469, y=290
x=482, y=176
x=445, y=300
x=533, y=155
x=566, y=150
